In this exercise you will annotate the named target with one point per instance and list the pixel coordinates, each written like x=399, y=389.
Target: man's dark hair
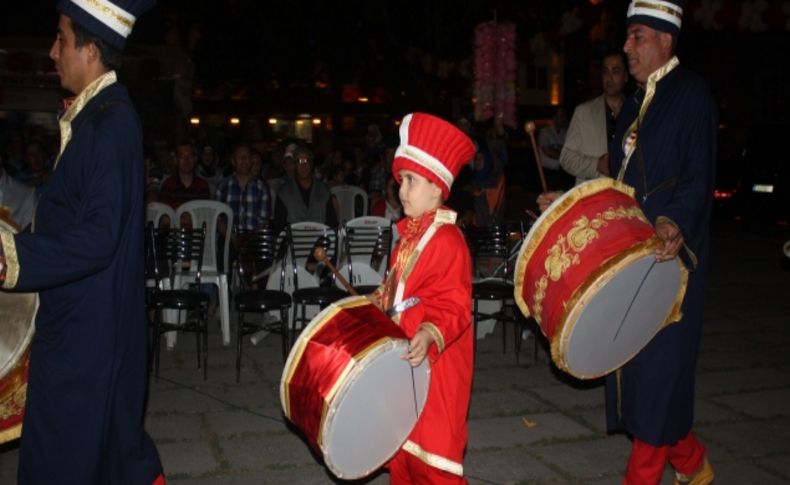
x=615, y=53
x=110, y=56
x=188, y=142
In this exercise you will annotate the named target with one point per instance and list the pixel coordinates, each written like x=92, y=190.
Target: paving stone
x=750, y=438
x=763, y=404
x=504, y=403
x=737, y=472
x=726, y=382
x=239, y=423
x=565, y=397
x=521, y=466
x=589, y=459
x=511, y=431
x=708, y=413
x=194, y=458
x=593, y=417
x=777, y=465
x=259, y=452
x=184, y=400
x=513, y=378
x=9, y=460
x=174, y=427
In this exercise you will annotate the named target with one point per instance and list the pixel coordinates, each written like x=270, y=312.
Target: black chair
x=366, y=241
x=493, y=253
x=256, y=253
x=172, y=252
x=303, y=239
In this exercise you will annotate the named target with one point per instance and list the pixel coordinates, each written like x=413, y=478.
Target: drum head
x=374, y=411
x=18, y=311
x=618, y=315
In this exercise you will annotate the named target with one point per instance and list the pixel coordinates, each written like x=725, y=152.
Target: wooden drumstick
x=529, y=127
x=320, y=256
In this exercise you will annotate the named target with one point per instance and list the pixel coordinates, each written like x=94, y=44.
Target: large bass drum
x=17, y=312
x=347, y=388
x=587, y=273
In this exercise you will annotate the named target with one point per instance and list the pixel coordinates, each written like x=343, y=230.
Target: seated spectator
x=184, y=185
x=18, y=198
x=388, y=206
x=207, y=168
x=247, y=195
x=303, y=198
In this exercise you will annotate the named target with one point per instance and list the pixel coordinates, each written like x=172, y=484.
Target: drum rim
x=344, y=383
x=590, y=288
x=555, y=211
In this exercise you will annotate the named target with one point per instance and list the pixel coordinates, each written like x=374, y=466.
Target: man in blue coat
x=88, y=360
x=665, y=147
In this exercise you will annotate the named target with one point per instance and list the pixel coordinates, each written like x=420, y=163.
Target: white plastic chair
x=155, y=211
x=209, y=211
x=347, y=197
x=360, y=238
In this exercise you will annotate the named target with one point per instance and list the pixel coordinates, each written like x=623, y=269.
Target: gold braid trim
x=11, y=259
x=436, y=333
x=76, y=107
x=650, y=91
x=662, y=8
x=433, y=460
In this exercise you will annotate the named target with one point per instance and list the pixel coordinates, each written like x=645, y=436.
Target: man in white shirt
x=18, y=197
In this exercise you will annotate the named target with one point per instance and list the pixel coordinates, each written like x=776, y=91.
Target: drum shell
x=18, y=311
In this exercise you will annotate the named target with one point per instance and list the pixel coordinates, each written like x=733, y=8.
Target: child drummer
x=431, y=261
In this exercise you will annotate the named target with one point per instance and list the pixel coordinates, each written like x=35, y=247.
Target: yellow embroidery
x=565, y=252
x=14, y=403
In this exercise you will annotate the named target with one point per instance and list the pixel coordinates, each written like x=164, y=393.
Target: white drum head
x=374, y=411
x=618, y=315
x=16, y=331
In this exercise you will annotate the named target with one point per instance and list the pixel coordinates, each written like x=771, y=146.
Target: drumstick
x=320, y=255
x=529, y=127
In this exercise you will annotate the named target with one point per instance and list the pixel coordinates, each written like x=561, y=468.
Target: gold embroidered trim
x=662, y=8
x=14, y=403
x=76, y=107
x=433, y=460
x=11, y=259
x=436, y=333
x=11, y=433
x=120, y=15
x=565, y=252
x=631, y=137
x=541, y=227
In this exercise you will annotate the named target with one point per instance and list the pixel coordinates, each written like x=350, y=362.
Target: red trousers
x=646, y=463
x=407, y=469
x=160, y=480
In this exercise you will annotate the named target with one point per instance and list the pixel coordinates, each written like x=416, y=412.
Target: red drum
x=347, y=388
x=587, y=274
x=17, y=312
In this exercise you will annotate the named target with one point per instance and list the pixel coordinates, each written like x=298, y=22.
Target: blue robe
x=672, y=171
x=89, y=356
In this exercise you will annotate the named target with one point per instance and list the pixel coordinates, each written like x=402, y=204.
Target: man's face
x=613, y=75
x=647, y=49
x=185, y=159
x=242, y=161
x=304, y=166
x=417, y=194
x=70, y=61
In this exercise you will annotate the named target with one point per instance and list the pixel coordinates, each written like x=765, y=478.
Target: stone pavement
x=528, y=423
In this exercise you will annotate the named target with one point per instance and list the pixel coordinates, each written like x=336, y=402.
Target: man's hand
x=673, y=240
x=418, y=347
x=603, y=164
x=546, y=199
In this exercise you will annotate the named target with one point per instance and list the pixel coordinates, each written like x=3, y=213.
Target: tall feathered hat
x=112, y=21
x=433, y=148
x=662, y=15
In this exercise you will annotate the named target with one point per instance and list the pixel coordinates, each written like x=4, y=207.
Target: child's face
x=418, y=194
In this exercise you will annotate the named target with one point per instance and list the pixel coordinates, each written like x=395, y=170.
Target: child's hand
x=419, y=345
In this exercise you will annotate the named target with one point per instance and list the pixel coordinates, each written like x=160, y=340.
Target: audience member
x=18, y=198
x=585, y=153
x=550, y=140
x=247, y=195
x=184, y=185
x=303, y=198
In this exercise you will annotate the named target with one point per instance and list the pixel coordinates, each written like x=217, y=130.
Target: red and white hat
x=433, y=148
